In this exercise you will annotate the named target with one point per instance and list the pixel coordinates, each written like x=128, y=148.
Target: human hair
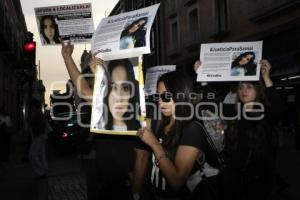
x=238, y=59
x=260, y=131
x=132, y=123
x=126, y=30
x=42, y=27
x=250, y=66
x=176, y=83
x=259, y=89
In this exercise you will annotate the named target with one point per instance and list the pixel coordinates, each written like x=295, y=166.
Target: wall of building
x=12, y=36
x=275, y=22
x=182, y=25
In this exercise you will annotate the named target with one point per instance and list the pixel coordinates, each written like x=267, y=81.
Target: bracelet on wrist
x=160, y=157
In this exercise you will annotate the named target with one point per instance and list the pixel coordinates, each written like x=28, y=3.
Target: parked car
x=66, y=130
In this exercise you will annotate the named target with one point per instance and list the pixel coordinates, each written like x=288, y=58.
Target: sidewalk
x=17, y=183
x=65, y=181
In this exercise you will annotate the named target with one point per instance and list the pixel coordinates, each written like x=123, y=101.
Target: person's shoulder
x=193, y=135
x=193, y=126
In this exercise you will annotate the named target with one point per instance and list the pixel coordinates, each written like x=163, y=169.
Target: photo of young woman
x=133, y=35
x=244, y=65
x=122, y=99
x=49, y=30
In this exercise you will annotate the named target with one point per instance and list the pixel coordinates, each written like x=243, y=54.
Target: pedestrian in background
x=37, y=151
x=5, y=125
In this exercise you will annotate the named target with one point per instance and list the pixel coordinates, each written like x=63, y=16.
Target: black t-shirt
x=192, y=135
x=115, y=155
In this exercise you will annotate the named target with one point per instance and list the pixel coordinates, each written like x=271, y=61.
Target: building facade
x=13, y=32
x=182, y=25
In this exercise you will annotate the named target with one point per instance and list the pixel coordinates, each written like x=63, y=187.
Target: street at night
x=149, y=100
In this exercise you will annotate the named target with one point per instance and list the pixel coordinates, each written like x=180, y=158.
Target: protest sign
x=65, y=22
x=152, y=76
x=235, y=61
x=125, y=35
x=117, y=107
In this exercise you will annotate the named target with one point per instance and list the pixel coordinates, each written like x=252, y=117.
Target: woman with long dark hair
x=250, y=146
x=174, y=143
x=244, y=65
x=49, y=30
x=123, y=89
x=133, y=35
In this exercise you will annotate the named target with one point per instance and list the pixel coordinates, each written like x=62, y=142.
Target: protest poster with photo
x=118, y=100
x=65, y=22
x=125, y=35
x=235, y=61
x=152, y=76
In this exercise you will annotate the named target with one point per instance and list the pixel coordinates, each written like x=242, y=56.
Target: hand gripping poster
x=65, y=22
x=125, y=35
x=235, y=61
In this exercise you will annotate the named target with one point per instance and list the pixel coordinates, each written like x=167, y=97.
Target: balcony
x=262, y=10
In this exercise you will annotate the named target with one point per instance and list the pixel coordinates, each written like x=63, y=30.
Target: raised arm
x=197, y=65
x=265, y=73
x=277, y=106
x=78, y=80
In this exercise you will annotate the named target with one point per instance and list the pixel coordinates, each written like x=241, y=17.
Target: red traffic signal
x=29, y=46
x=29, y=49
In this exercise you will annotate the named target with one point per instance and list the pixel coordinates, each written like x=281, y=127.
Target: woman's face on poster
x=120, y=93
x=136, y=26
x=49, y=28
x=245, y=59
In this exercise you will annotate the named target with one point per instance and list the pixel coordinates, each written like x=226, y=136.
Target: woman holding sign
x=174, y=144
x=251, y=141
x=133, y=36
x=114, y=153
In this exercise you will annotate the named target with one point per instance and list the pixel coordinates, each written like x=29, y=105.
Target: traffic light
x=29, y=49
